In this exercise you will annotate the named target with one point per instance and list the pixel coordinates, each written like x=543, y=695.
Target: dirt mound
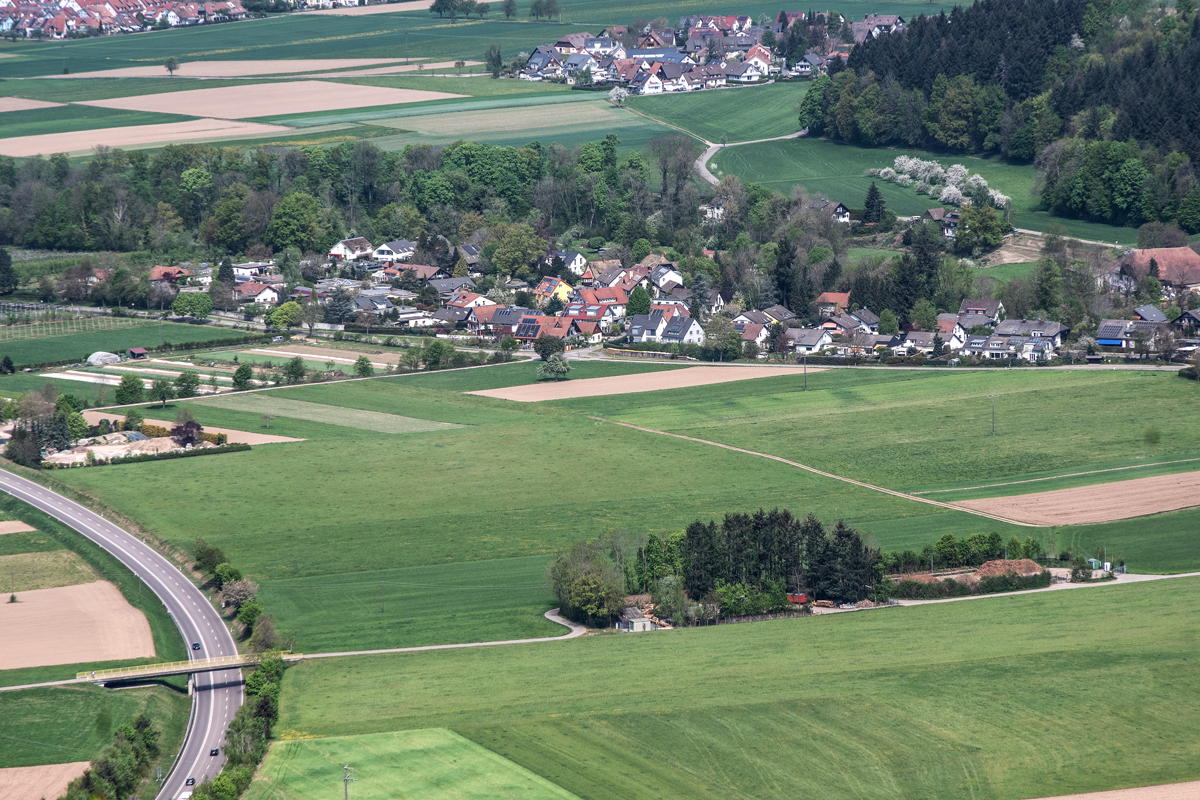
x=1021, y=566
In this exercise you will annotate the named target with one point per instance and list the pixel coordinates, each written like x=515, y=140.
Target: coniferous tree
x=873, y=207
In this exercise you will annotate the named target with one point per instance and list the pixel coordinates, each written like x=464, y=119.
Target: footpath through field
x=815, y=471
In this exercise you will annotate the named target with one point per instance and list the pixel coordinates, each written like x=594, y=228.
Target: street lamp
x=993, y=396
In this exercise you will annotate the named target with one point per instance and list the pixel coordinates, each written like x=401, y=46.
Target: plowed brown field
x=15, y=526
x=34, y=783
x=1103, y=502
x=134, y=135
x=71, y=625
x=269, y=99
x=628, y=384
x=21, y=104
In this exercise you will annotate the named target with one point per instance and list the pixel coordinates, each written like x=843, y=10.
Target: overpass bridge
x=180, y=667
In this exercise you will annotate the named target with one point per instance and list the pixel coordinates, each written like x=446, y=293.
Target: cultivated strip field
x=134, y=135
x=1103, y=502
x=628, y=384
x=21, y=104
x=434, y=764
x=15, y=526
x=36, y=783
x=332, y=415
x=269, y=99
x=491, y=121
x=359, y=11
x=235, y=69
x=71, y=625
x=331, y=354
x=399, y=68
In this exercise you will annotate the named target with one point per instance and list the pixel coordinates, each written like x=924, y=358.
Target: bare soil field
x=628, y=384
x=387, y=8
x=35, y=783
x=44, y=570
x=237, y=437
x=134, y=135
x=14, y=526
x=21, y=104
x=1170, y=791
x=1104, y=502
x=1019, y=249
x=236, y=69
x=71, y=625
x=337, y=356
x=269, y=99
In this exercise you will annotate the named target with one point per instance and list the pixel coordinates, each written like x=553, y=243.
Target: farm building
x=136, y=352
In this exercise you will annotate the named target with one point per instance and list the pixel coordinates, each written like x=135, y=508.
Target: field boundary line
x=552, y=615
x=1057, y=477
x=822, y=473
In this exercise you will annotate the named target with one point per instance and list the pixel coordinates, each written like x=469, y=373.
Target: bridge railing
x=181, y=667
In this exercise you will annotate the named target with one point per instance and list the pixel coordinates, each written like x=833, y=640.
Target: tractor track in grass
x=815, y=471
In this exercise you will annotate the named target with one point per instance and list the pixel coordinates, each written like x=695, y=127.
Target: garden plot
x=72, y=625
x=628, y=384
x=36, y=783
x=331, y=415
x=378, y=360
x=1103, y=502
x=136, y=135
x=270, y=99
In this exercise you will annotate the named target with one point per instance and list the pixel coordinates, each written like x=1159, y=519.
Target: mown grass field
x=434, y=764
x=41, y=569
x=443, y=536
x=432, y=514
x=62, y=344
x=1005, y=272
x=61, y=119
x=74, y=723
x=837, y=171
x=739, y=114
x=1014, y=697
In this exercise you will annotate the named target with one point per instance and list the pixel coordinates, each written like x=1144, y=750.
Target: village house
x=970, y=312
x=839, y=211
x=1176, y=267
x=951, y=330
x=646, y=327
x=468, y=300
x=830, y=303
x=575, y=262
x=448, y=287
x=255, y=292
x=552, y=288
x=399, y=250
x=946, y=220
x=682, y=329
x=804, y=340
x=351, y=249
x=868, y=318
x=1034, y=329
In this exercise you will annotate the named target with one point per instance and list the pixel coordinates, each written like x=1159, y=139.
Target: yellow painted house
x=552, y=287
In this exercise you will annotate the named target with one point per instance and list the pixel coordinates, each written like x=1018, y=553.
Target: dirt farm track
x=1104, y=502
x=72, y=624
x=628, y=384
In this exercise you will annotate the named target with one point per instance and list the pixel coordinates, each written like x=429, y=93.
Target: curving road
x=217, y=694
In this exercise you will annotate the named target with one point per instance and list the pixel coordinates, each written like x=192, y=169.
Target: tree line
x=744, y=564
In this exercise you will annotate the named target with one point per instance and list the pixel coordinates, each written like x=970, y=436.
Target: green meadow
x=74, y=723
x=999, y=698
x=390, y=540
x=434, y=764
x=61, y=344
x=62, y=119
x=838, y=171
x=712, y=115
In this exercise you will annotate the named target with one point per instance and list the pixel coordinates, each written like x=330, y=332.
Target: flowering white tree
x=617, y=95
x=956, y=175
x=952, y=195
x=998, y=200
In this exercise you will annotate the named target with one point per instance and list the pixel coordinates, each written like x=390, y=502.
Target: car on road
x=216, y=751
x=195, y=645
x=190, y=782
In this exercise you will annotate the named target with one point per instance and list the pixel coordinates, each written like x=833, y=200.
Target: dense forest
x=1101, y=95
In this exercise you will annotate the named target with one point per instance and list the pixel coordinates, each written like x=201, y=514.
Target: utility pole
x=381, y=606
x=806, y=372
x=993, y=396
x=346, y=779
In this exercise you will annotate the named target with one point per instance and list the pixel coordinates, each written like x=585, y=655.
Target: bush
x=207, y=556
x=226, y=573
x=1014, y=583
x=154, y=431
x=249, y=613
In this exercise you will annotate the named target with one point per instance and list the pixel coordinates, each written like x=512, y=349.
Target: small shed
x=633, y=620
x=100, y=357
x=136, y=352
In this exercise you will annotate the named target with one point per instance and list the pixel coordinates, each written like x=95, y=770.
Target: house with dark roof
x=646, y=327
x=448, y=287
x=867, y=318
x=778, y=313
x=804, y=340
x=951, y=330
x=947, y=220
x=1126, y=333
x=682, y=330
x=399, y=250
x=839, y=211
x=1149, y=314
x=753, y=318
x=1034, y=329
x=991, y=310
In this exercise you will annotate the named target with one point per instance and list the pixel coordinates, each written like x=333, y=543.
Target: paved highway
x=218, y=694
